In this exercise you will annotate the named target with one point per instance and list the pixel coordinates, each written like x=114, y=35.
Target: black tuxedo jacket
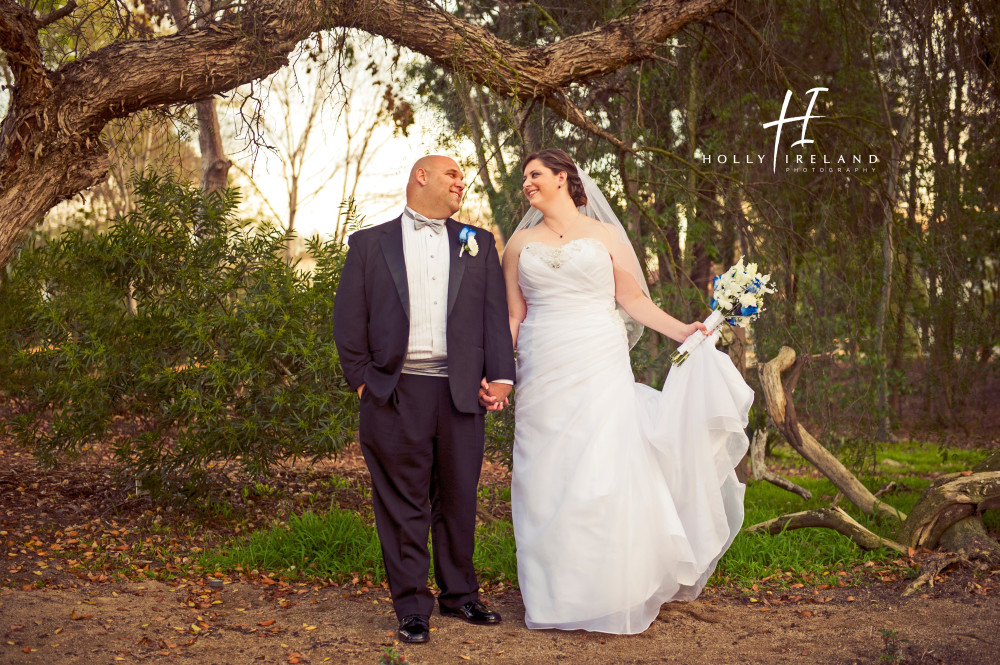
x=371, y=325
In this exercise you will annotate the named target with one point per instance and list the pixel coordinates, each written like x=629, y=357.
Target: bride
x=623, y=497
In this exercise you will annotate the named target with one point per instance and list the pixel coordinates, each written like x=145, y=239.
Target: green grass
x=339, y=543
x=802, y=552
x=495, y=557
x=324, y=545
x=819, y=553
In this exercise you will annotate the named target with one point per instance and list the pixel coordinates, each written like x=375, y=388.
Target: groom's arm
x=350, y=319
x=498, y=345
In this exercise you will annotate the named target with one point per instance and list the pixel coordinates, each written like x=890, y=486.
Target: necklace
x=549, y=227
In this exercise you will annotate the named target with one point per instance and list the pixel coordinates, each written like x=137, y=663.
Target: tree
x=50, y=146
x=300, y=110
x=214, y=164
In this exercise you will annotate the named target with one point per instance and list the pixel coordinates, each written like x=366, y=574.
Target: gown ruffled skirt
x=624, y=497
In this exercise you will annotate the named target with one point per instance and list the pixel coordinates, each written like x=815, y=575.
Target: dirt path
x=242, y=624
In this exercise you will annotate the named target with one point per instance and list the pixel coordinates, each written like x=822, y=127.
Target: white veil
x=598, y=208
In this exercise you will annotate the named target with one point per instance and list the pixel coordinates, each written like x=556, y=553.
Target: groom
x=420, y=321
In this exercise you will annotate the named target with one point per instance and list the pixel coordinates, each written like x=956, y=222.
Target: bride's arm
x=637, y=304
x=516, y=307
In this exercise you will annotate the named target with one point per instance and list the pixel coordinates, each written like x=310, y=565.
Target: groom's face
x=444, y=185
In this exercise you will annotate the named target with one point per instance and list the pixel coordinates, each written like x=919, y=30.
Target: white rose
x=473, y=245
x=748, y=300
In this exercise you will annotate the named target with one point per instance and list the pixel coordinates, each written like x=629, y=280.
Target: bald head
x=435, y=187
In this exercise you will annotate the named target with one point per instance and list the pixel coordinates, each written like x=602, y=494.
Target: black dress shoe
x=473, y=612
x=414, y=629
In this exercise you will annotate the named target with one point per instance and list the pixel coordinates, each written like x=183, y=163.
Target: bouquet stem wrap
x=713, y=322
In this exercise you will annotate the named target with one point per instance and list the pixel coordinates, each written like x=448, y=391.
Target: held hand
x=500, y=391
x=492, y=396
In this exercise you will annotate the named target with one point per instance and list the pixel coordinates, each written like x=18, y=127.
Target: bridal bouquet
x=738, y=299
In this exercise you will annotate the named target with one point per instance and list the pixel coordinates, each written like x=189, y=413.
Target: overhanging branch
x=55, y=15
x=55, y=118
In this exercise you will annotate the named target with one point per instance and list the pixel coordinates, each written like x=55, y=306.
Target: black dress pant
x=424, y=457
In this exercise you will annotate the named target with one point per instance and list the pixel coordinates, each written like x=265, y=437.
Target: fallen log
x=758, y=467
x=947, y=514
x=781, y=410
x=970, y=534
x=944, y=504
x=828, y=518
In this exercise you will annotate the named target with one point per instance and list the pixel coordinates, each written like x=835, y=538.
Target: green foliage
x=496, y=553
x=391, y=657
x=500, y=436
x=182, y=335
x=891, y=646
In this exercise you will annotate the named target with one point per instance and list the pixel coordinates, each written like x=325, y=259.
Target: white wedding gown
x=623, y=497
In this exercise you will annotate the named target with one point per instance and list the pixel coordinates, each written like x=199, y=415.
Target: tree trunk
x=970, y=534
x=888, y=196
x=214, y=165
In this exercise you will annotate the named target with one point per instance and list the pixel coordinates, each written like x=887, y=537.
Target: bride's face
x=540, y=183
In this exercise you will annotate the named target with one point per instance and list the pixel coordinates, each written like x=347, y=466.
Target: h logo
x=804, y=118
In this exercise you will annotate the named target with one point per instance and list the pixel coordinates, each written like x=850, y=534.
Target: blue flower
x=748, y=311
x=733, y=322
x=715, y=303
x=715, y=282
x=467, y=237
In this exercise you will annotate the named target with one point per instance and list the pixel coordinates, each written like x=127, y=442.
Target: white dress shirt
x=427, y=265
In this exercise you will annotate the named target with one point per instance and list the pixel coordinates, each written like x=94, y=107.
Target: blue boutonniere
x=468, y=239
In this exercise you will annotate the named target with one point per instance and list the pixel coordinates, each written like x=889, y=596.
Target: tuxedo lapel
x=392, y=249
x=456, y=268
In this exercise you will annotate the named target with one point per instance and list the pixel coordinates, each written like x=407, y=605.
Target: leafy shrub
x=183, y=331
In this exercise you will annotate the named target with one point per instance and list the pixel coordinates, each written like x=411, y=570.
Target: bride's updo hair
x=557, y=161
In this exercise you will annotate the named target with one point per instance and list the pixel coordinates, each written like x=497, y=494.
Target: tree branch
x=49, y=139
x=55, y=15
x=758, y=466
x=508, y=70
x=828, y=518
x=781, y=410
